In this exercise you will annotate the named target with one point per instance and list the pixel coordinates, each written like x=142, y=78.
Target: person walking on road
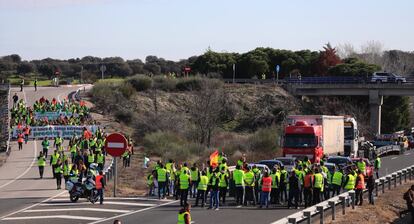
x=41, y=162
x=359, y=188
x=294, y=189
x=20, y=140
x=45, y=147
x=238, y=177
x=35, y=84
x=371, y=186
x=100, y=186
x=26, y=131
x=15, y=99
x=214, y=190
x=21, y=85
x=336, y=181
x=283, y=184
x=224, y=182
x=308, y=185
x=377, y=165
x=317, y=187
x=184, y=216
x=162, y=177
x=201, y=189
x=53, y=161
x=58, y=174
x=185, y=181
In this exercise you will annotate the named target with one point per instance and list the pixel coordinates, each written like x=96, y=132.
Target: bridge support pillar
x=375, y=103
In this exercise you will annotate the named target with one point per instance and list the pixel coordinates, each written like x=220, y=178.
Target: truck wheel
x=74, y=198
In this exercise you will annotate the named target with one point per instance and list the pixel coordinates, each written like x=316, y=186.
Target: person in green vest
x=162, y=177
x=53, y=161
x=301, y=176
x=201, y=189
x=58, y=141
x=45, y=146
x=361, y=166
x=336, y=181
x=377, y=165
x=349, y=183
x=100, y=160
x=58, y=174
x=194, y=173
x=249, y=181
x=238, y=178
x=223, y=165
x=327, y=179
x=223, y=184
x=275, y=192
x=214, y=190
x=317, y=186
x=73, y=149
x=150, y=184
x=170, y=166
x=126, y=159
x=257, y=175
x=91, y=158
x=66, y=169
x=283, y=184
x=184, y=216
x=41, y=163
x=185, y=181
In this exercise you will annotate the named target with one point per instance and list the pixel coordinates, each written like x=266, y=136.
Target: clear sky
x=176, y=29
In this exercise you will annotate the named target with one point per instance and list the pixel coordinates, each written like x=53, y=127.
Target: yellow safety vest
x=202, y=185
x=351, y=182
x=41, y=161
x=181, y=217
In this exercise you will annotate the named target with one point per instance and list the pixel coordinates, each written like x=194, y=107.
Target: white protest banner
x=52, y=115
x=52, y=131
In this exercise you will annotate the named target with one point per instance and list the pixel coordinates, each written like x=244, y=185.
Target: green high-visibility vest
x=184, y=183
x=181, y=217
x=194, y=174
x=351, y=182
x=66, y=169
x=202, y=185
x=238, y=177
x=249, y=179
x=45, y=144
x=91, y=158
x=41, y=161
x=161, y=175
x=100, y=158
x=337, y=178
x=275, y=179
x=73, y=148
x=377, y=163
x=223, y=178
x=58, y=169
x=283, y=173
x=361, y=166
x=318, y=181
x=215, y=177
x=55, y=158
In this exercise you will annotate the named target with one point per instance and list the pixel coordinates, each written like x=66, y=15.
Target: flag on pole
x=214, y=159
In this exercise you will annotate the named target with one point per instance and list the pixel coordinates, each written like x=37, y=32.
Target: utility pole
x=234, y=73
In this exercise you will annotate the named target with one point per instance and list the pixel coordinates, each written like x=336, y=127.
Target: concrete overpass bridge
x=374, y=91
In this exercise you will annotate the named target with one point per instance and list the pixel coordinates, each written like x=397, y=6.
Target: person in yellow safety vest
x=223, y=184
x=58, y=141
x=185, y=168
x=58, y=174
x=301, y=175
x=72, y=150
x=74, y=173
x=100, y=160
x=223, y=165
x=249, y=181
x=53, y=161
x=283, y=184
x=195, y=173
x=126, y=158
x=201, y=189
x=327, y=179
x=257, y=187
x=150, y=184
x=349, y=183
x=238, y=178
x=241, y=161
x=336, y=181
x=185, y=181
x=66, y=168
x=184, y=216
x=275, y=191
x=176, y=191
x=162, y=181
x=170, y=166
x=214, y=190
x=91, y=158
x=377, y=165
x=317, y=186
x=41, y=162
x=361, y=166
x=306, y=162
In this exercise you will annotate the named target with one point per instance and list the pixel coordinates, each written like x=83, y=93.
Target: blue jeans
x=101, y=195
x=264, y=198
x=214, y=198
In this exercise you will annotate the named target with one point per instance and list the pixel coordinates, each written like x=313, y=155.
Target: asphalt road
x=26, y=199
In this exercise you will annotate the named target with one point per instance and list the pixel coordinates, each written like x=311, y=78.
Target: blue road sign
x=277, y=68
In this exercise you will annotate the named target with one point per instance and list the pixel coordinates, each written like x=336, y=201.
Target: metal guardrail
x=346, y=199
x=387, y=149
x=109, y=171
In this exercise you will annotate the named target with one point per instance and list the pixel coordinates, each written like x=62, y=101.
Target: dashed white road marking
x=407, y=154
x=54, y=217
x=78, y=209
x=105, y=203
x=394, y=158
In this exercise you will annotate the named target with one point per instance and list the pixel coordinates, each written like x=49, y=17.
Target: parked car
x=340, y=161
x=369, y=167
x=271, y=163
x=250, y=165
x=330, y=166
x=288, y=162
x=386, y=77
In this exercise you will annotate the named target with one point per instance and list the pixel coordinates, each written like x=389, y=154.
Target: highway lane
x=20, y=185
x=231, y=214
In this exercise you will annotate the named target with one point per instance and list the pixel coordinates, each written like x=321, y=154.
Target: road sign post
x=277, y=74
x=115, y=145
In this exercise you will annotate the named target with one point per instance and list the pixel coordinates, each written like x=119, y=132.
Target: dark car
x=271, y=163
x=340, y=161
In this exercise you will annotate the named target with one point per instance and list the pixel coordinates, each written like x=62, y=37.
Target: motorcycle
x=78, y=190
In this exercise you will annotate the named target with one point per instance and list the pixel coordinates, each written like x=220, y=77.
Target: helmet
x=93, y=166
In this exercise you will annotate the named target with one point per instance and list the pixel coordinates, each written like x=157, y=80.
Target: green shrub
x=190, y=84
x=127, y=89
x=140, y=82
x=124, y=115
x=265, y=140
x=164, y=83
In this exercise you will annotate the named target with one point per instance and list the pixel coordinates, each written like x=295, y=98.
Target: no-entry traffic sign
x=116, y=144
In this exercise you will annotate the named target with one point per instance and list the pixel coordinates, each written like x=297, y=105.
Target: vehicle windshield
x=286, y=162
x=337, y=160
x=349, y=133
x=300, y=141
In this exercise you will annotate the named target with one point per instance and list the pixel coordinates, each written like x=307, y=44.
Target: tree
x=25, y=67
x=395, y=114
x=353, y=67
x=327, y=59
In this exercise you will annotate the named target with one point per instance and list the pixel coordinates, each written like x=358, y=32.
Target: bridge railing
x=347, y=199
x=387, y=149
